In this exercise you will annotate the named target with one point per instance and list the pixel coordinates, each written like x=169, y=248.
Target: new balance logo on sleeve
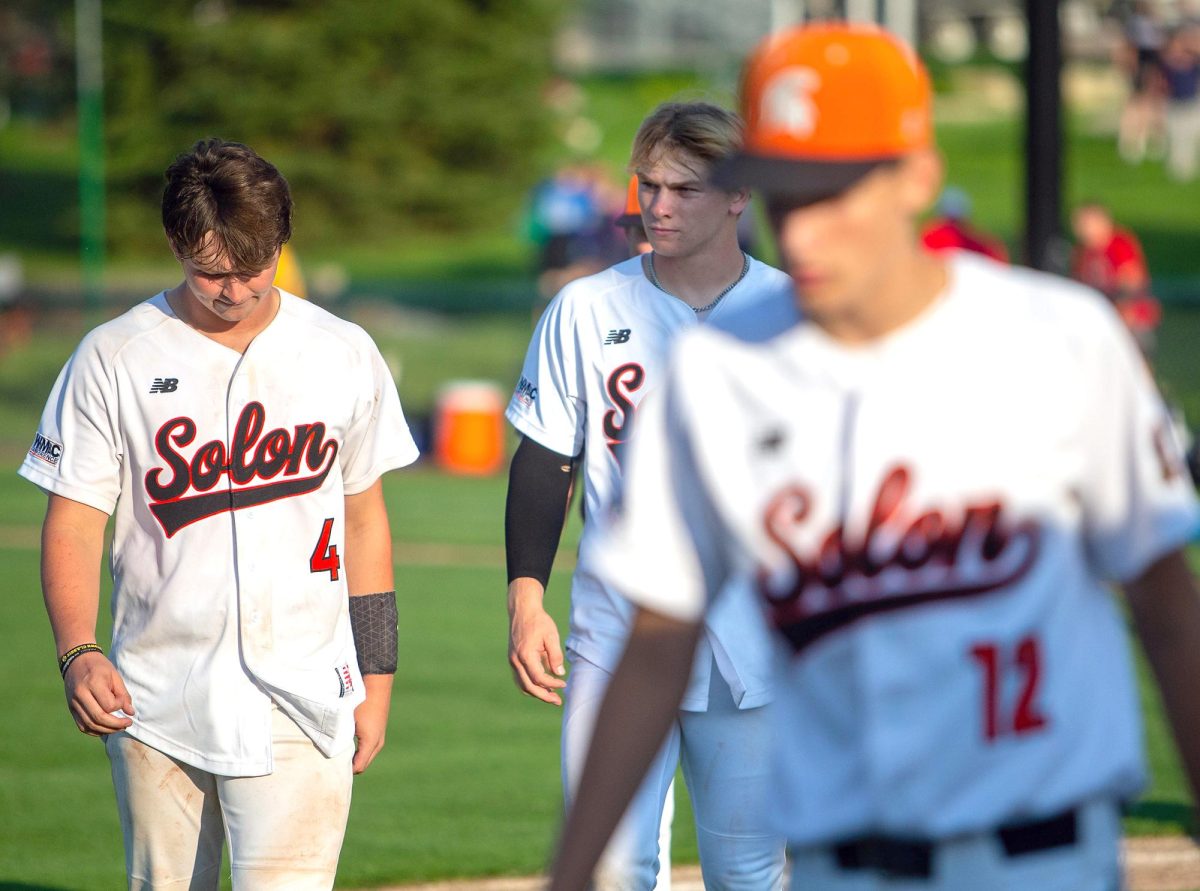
x=617, y=335
x=164, y=385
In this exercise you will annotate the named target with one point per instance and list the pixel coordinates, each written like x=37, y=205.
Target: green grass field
x=468, y=784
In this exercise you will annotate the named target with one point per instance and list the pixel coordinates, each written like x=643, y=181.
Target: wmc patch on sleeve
x=46, y=449
x=526, y=392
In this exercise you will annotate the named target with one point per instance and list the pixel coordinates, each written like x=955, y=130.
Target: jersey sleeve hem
x=363, y=482
x=52, y=486
x=1175, y=535
x=669, y=591
x=527, y=427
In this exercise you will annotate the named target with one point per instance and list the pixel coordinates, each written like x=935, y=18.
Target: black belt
x=913, y=858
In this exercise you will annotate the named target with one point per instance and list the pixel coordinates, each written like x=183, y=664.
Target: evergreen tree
x=383, y=114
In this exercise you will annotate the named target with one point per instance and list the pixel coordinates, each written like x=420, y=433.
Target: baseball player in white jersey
x=237, y=435
x=932, y=483
x=600, y=347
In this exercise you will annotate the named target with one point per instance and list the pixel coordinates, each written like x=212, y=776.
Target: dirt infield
x=1152, y=864
x=1162, y=864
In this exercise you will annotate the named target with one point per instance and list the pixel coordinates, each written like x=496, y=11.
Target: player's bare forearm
x=368, y=557
x=1165, y=605
x=369, y=571
x=370, y=720
x=534, y=647
x=72, y=547
x=639, y=706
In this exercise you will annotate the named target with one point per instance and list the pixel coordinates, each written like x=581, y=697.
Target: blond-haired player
x=598, y=350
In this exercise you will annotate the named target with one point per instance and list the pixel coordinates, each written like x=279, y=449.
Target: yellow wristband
x=65, y=660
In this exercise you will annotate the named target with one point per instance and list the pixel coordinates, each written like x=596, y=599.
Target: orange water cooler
x=468, y=432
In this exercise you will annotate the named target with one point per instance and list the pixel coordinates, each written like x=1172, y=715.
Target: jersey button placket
x=242, y=525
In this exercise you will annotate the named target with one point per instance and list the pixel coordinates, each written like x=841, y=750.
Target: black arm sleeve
x=539, y=484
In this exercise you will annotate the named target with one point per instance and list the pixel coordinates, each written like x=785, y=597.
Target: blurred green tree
x=385, y=115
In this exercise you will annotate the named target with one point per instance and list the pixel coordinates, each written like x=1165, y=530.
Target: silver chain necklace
x=699, y=309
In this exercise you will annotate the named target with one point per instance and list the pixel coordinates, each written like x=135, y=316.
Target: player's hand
x=94, y=691
x=534, y=650
x=370, y=720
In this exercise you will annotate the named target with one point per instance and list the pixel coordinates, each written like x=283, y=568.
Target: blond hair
x=703, y=130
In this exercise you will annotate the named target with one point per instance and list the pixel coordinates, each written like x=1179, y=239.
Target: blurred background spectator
x=951, y=229
x=16, y=316
x=570, y=224
x=1110, y=259
x=1107, y=257
x=1141, y=125
x=1180, y=67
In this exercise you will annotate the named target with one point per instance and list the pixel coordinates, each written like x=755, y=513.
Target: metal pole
x=785, y=13
x=900, y=16
x=860, y=10
x=1044, y=244
x=90, y=86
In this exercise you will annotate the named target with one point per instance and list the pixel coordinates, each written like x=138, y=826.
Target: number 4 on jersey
x=325, y=556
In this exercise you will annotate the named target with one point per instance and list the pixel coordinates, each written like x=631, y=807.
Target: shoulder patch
x=526, y=392
x=46, y=449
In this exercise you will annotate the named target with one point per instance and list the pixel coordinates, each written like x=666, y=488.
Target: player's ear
x=921, y=174
x=738, y=200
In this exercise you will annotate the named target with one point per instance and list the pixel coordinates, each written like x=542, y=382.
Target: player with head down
x=932, y=482
x=598, y=350
x=237, y=436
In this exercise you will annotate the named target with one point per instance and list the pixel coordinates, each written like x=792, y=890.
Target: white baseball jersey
x=932, y=521
x=599, y=348
x=228, y=474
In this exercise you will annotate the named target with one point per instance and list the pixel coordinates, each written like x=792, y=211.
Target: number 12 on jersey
x=1011, y=687
x=325, y=556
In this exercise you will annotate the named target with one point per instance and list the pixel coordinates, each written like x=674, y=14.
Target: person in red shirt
x=1110, y=259
x=950, y=229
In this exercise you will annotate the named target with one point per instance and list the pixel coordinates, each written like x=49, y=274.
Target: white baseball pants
x=284, y=830
x=724, y=754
